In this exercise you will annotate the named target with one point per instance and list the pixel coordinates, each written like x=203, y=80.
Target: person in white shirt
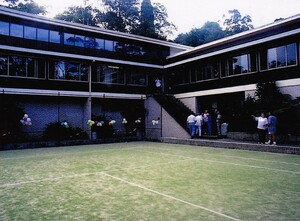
x=198, y=124
x=262, y=125
x=191, y=124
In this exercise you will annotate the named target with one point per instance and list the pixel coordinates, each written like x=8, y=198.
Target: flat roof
x=52, y=21
x=236, y=37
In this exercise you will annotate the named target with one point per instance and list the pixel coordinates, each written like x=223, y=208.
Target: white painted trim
x=252, y=43
x=288, y=83
x=226, y=90
x=84, y=57
x=81, y=27
x=237, y=36
x=37, y=92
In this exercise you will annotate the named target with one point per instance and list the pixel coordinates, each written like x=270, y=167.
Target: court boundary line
x=129, y=148
x=169, y=196
x=85, y=174
x=223, y=162
x=238, y=157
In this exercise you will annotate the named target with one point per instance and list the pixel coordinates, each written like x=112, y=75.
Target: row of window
x=20, y=66
x=272, y=58
x=45, y=35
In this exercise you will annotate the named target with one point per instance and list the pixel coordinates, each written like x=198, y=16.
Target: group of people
x=203, y=124
x=264, y=125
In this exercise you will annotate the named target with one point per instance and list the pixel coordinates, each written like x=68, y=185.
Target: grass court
x=148, y=181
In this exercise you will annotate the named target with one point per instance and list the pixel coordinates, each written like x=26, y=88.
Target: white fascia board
x=237, y=36
x=83, y=57
x=226, y=90
x=81, y=27
x=252, y=43
x=59, y=93
x=216, y=91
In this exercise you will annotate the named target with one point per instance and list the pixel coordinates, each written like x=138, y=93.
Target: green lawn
x=148, y=181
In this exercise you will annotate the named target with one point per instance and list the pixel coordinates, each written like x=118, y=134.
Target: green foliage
x=163, y=28
x=28, y=6
x=128, y=16
x=268, y=98
x=236, y=23
x=55, y=131
x=104, y=131
x=209, y=32
x=120, y=15
x=85, y=15
x=146, y=26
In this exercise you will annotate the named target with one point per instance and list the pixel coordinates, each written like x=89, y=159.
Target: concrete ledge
x=44, y=144
x=229, y=144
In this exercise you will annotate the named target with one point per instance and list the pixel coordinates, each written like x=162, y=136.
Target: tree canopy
x=236, y=23
x=210, y=31
x=85, y=15
x=28, y=6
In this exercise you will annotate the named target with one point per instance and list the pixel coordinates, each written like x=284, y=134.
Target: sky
x=188, y=14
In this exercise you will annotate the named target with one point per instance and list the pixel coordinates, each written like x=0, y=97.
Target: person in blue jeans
x=191, y=124
x=272, y=128
x=209, y=124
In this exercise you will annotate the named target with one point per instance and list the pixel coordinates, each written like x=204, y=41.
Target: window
x=42, y=35
x=90, y=42
x=54, y=37
x=4, y=28
x=17, y=66
x=109, y=45
x=112, y=75
x=69, y=39
x=291, y=51
x=41, y=68
x=16, y=30
x=3, y=64
x=99, y=43
x=241, y=64
x=30, y=32
x=30, y=72
x=84, y=72
x=64, y=70
x=79, y=41
x=277, y=57
x=137, y=78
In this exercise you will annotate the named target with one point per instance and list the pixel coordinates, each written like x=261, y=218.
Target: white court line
x=246, y=158
x=223, y=162
x=63, y=154
x=169, y=196
x=85, y=174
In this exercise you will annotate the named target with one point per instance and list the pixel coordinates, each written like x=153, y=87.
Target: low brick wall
x=229, y=144
x=254, y=137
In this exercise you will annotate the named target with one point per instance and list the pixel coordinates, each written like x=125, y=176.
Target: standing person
x=198, y=125
x=205, y=121
x=272, y=128
x=158, y=85
x=191, y=124
x=218, y=122
x=262, y=124
x=209, y=124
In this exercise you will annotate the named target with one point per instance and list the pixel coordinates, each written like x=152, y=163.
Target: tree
x=209, y=32
x=28, y=6
x=267, y=98
x=146, y=26
x=120, y=15
x=163, y=28
x=236, y=23
x=127, y=16
x=85, y=15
